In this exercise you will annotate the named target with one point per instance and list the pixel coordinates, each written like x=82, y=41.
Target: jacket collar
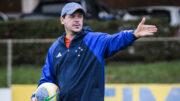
x=84, y=31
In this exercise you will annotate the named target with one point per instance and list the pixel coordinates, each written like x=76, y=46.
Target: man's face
x=73, y=23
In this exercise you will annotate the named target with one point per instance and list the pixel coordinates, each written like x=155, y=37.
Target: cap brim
x=73, y=11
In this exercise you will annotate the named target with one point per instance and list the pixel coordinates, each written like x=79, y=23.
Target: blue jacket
x=79, y=70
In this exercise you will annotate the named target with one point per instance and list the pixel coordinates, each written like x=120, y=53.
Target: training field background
x=132, y=79
x=146, y=71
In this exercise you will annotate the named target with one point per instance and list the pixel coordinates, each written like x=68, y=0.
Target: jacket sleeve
x=105, y=45
x=118, y=41
x=48, y=73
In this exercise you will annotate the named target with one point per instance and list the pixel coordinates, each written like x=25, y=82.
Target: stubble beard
x=76, y=32
x=73, y=31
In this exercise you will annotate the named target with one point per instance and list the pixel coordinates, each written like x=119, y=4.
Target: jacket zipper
x=68, y=49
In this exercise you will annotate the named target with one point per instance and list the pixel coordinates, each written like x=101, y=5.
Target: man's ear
x=62, y=20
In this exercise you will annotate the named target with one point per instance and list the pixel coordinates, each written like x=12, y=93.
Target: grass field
x=160, y=72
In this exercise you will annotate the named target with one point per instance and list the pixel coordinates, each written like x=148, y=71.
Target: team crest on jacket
x=78, y=51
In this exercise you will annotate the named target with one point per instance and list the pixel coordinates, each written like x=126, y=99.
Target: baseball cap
x=70, y=8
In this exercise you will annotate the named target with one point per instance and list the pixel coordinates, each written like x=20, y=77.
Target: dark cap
x=70, y=8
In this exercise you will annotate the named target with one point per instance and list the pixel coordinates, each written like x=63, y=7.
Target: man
x=75, y=62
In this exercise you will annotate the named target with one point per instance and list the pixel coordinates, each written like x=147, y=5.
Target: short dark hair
x=64, y=16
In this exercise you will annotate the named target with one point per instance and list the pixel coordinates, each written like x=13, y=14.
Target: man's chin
x=76, y=31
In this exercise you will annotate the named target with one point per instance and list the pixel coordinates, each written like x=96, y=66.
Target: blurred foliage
x=3, y=54
x=36, y=53
x=28, y=29
x=20, y=29
x=148, y=52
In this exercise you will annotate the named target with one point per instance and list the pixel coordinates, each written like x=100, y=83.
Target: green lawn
x=160, y=72
x=21, y=75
